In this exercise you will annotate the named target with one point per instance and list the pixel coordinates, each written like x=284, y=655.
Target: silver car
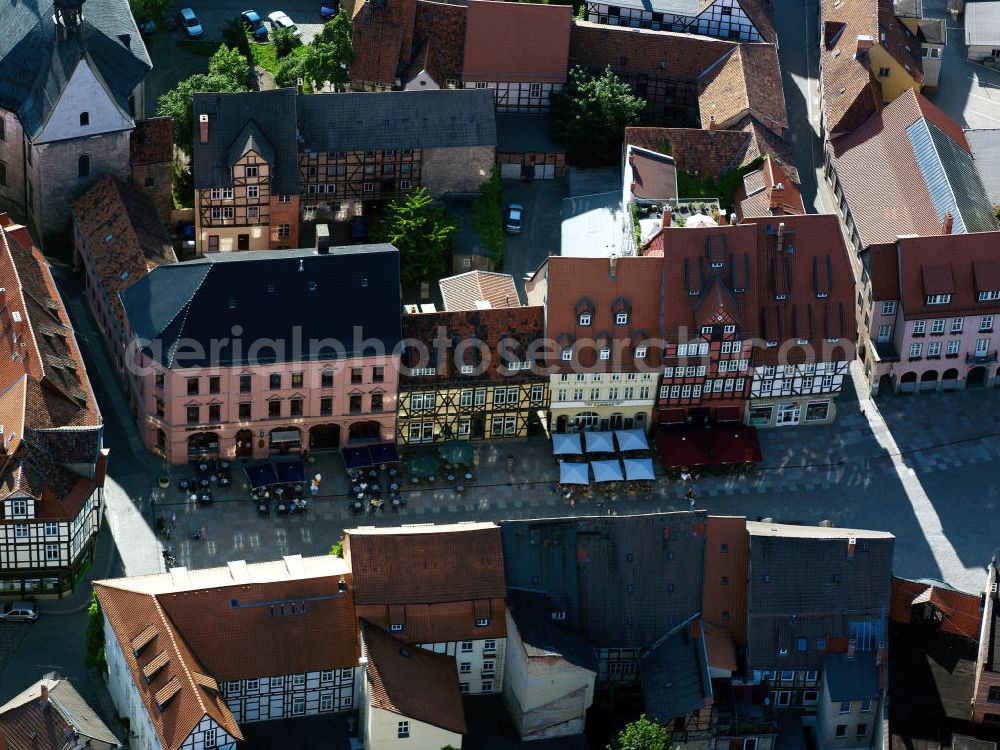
x=19, y=612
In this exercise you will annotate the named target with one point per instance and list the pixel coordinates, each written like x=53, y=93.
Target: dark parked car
x=329, y=9
x=515, y=213
x=254, y=25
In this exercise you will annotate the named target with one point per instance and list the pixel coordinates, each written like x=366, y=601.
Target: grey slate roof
x=806, y=572
x=982, y=22
x=623, y=581
x=397, y=119
x=250, y=139
x=268, y=296
x=67, y=702
x=675, y=676
x=952, y=180
x=271, y=117
x=851, y=679
x=522, y=133
x=34, y=69
x=541, y=635
x=985, y=145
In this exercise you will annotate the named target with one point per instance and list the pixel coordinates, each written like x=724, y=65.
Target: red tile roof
x=439, y=31
x=946, y=264
x=759, y=195
x=710, y=152
x=445, y=621
x=382, y=36
x=598, y=285
x=464, y=291
x=152, y=141
x=851, y=92
x=123, y=236
x=726, y=556
x=426, y=564
x=412, y=682
x=747, y=81
x=516, y=42
x=962, y=612
x=883, y=269
x=879, y=156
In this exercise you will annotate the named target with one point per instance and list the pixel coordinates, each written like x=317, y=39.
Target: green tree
x=150, y=10
x=590, y=114
x=337, y=550
x=289, y=71
x=227, y=72
x=330, y=53
x=285, y=40
x=641, y=734
x=234, y=36
x=487, y=218
x=94, y=646
x=422, y=234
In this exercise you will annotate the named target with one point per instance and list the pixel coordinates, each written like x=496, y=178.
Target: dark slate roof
x=674, y=672
x=853, y=678
x=268, y=294
x=522, y=133
x=34, y=69
x=952, y=180
x=807, y=572
x=267, y=116
x=623, y=581
x=397, y=119
x=532, y=613
x=250, y=139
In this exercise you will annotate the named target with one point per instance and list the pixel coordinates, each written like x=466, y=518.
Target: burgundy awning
x=734, y=444
x=727, y=414
x=671, y=416
x=683, y=446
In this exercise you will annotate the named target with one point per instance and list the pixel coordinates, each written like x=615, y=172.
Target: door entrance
x=788, y=414
x=243, y=242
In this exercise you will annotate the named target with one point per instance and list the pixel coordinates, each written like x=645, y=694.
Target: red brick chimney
x=948, y=223
x=666, y=217
x=44, y=700
x=203, y=129
x=711, y=122
x=865, y=43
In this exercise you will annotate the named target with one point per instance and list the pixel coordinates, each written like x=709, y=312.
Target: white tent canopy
x=566, y=444
x=599, y=442
x=631, y=440
x=607, y=471
x=638, y=468
x=574, y=473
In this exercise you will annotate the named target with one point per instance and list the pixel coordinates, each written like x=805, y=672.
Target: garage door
x=510, y=171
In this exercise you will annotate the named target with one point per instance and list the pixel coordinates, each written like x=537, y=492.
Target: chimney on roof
x=852, y=545
x=948, y=223
x=732, y=218
x=632, y=187
x=203, y=128
x=711, y=122
x=322, y=239
x=666, y=217
x=612, y=266
x=865, y=43
x=44, y=700
x=780, y=235
x=298, y=86
x=342, y=585
x=851, y=646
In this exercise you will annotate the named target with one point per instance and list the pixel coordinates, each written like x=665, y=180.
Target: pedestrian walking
x=689, y=494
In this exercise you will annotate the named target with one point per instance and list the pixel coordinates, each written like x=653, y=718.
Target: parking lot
x=968, y=92
x=540, y=230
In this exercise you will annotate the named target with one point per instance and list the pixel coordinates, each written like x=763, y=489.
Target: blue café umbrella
x=607, y=471
x=638, y=468
x=566, y=444
x=574, y=473
x=599, y=442
x=631, y=440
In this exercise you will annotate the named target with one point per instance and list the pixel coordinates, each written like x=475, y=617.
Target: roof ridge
x=186, y=309
x=169, y=626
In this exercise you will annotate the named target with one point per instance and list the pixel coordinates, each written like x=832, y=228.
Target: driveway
x=539, y=237
x=968, y=92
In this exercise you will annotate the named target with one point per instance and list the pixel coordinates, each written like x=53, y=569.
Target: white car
x=18, y=612
x=190, y=22
x=280, y=20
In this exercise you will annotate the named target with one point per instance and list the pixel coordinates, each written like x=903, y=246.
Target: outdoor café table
x=213, y=478
x=394, y=487
x=204, y=483
x=224, y=482
x=224, y=465
x=194, y=498
x=202, y=467
x=460, y=488
x=468, y=476
x=183, y=485
x=361, y=496
x=451, y=477
x=395, y=502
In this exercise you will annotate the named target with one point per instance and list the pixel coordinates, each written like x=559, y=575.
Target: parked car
x=515, y=214
x=190, y=22
x=146, y=27
x=329, y=9
x=19, y=612
x=254, y=25
x=280, y=20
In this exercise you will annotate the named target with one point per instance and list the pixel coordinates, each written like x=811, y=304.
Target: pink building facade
x=242, y=404
x=930, y=313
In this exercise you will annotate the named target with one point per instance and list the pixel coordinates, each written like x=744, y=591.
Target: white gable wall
x=83, y=93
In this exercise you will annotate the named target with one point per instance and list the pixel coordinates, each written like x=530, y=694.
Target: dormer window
x=706, y=330
x=640, y=352
x=938, y=299
x=620, y=309
x=989, y=296
x=567, y=354
x=781, y=297
x=84, y=119
x=605, y=352
x=729, y=329
x=621, y=319
x=585, y=319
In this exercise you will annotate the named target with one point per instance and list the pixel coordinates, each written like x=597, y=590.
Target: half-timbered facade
x=52, y=460
x=445, y=593
x=173, y=672
x=471, y=375
x=522, y=82
x=739, y=20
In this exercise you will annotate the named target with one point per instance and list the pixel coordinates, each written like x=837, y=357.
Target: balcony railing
x=981, y=359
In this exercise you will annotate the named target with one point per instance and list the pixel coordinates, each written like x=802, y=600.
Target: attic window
x=84, y=119
x=16, y=316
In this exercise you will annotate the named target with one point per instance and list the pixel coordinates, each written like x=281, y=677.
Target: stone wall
x=12, y=190
x=154, y=181
x=456, y=170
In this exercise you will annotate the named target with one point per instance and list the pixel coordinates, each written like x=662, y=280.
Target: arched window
x=84, y=119
x=83, y=166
